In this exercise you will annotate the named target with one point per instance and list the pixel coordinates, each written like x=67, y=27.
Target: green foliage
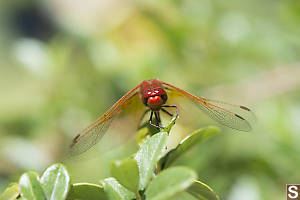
x=115, y=191
x=170, y=182
x=191, y=140
x=141, y=177
x=55, y=182
x=202, y=191
x=31, y=187
x=150, y=152
x=147, y=156
x=80, y=191
x=127, y=173
x=11, y=192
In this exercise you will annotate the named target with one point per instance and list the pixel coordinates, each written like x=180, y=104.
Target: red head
x=155, y=98
x=153, y=94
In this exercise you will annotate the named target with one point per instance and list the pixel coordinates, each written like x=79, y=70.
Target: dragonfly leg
x=172, y=106
x=150, y=120
x=142, y=117
x=157, y=117
x=165, y=111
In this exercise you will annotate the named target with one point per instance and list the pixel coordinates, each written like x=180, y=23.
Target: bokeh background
x=63, y=63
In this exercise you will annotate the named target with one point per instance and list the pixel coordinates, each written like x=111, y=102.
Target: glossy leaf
x=127, y=173
x=170, y=125
x=30, y=186
x=84, y=191
x=146, y=130
x=11, y=192
x=184, y=196
x=115, y=191
x=202, y=191
x=188, y=142
x=170, y=182
x=149, y=153
x=56, y=182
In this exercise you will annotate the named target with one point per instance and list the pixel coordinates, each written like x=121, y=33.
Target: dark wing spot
x=75, y=140
x=239, y=116
x=245, y=108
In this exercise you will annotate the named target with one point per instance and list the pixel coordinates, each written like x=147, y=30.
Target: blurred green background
x=64, y=63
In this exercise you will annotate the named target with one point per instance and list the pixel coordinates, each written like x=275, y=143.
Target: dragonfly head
x=155, y=98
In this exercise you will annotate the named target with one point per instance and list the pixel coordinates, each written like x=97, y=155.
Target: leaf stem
x=138, y=196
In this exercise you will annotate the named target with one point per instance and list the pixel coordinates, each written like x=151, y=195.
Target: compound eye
x=164, y=97
x=154, y=101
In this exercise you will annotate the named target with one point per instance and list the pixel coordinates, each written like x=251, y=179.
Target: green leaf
x=184, y=196
x=55, y=182
x=127, y=173
x=195, y=138
x=86, y=191
x=170, y=182
x=30, y=186
x=170, y=125
x=147, y=156
x=146, y=130
x=202, y=191
x=11, y=192
x=115, y=191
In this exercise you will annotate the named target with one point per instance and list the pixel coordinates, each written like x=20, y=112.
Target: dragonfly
x=154, y=94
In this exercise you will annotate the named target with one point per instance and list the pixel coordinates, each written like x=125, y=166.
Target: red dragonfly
x=154, y=95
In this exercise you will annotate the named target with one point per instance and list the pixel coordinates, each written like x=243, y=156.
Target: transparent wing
x=233, y=116
x=94, y=132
